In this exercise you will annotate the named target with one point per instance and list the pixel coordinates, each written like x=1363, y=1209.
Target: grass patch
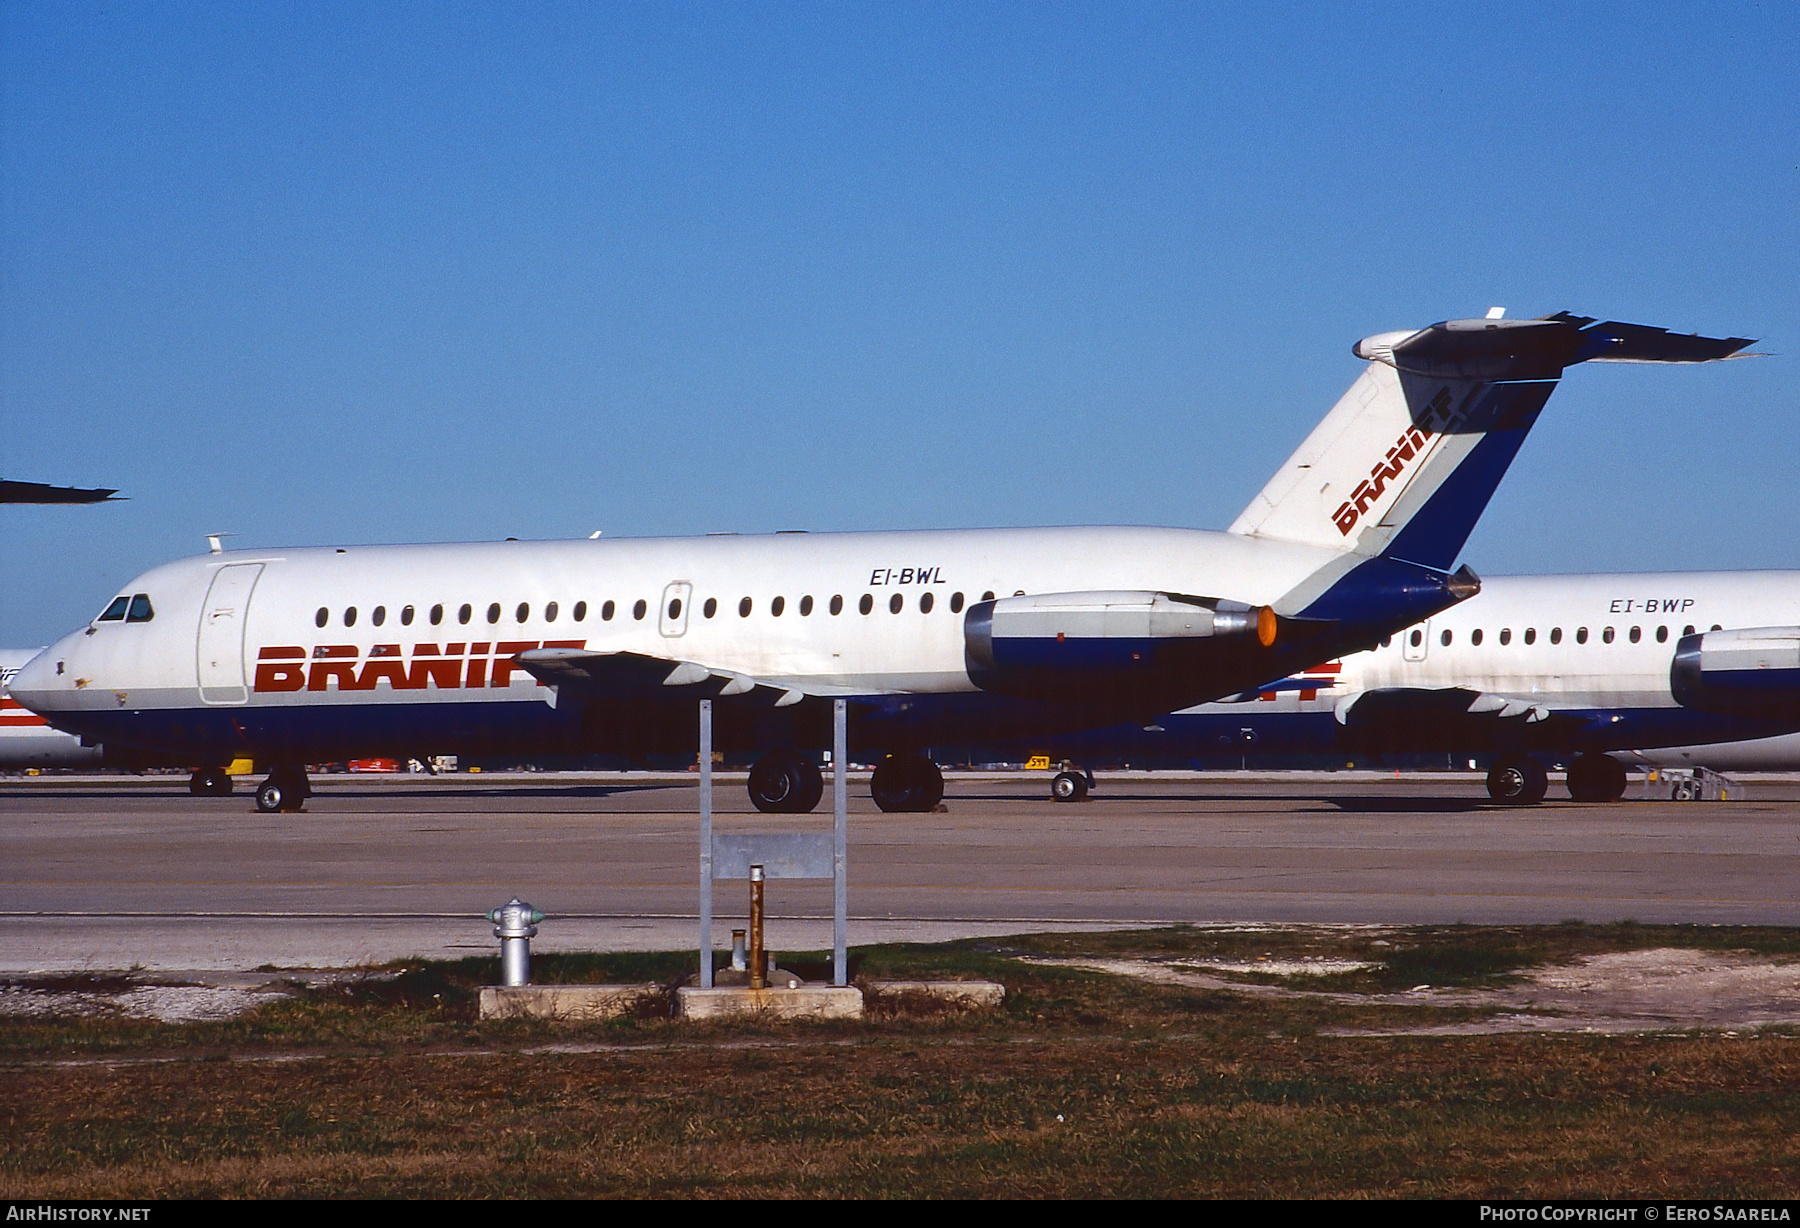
x=1083, y=1084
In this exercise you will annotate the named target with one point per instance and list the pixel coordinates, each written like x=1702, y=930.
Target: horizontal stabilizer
x=1408, y=459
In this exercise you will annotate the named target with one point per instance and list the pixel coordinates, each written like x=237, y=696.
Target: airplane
x=40, y=492
x=294, y=656
x=1675, y=669
x=26, y=739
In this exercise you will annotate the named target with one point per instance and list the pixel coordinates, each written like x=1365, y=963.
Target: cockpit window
x=140, y=609
x=116, y=611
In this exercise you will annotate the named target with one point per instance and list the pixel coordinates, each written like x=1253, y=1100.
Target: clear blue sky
x=322, y=273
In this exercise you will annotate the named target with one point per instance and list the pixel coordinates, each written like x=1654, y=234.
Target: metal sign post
x=840, y=781
x=706, y=845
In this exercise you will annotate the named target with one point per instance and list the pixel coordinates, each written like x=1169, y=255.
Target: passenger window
x=523, y=613
x=1556, y=635
x=465, y=614
x=1475, y=638
x=116, y=611
x=494, y=613
x=350, y=617
x=866, y=604
x=777, y=606
x=581, y=611
x=319, y=619
x=1715, y=626
x=896, y=603
x=956, y=603
x=406, y=616
x=1531, y=635
x=1662, y=635
x=379, y=615
x=744, y=608
x=806, y=606
x=837, y=605
x=639, y=608
x=1581, y=635
x=926, y=601
x=1417, y=638
x=1386, y=641
x=1505, y=636
x=1688, y=630
x=1637, y=633
x=988, y=596
x=674, y=608
x=1444, y=639
x=711, y=607
x=550, y=612
x=1606, y=636
x=437, y=615
x=606, y=612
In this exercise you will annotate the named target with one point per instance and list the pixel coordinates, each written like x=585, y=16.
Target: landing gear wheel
x=784, y=783
x=1069, y=787
x=907, y=784
x=1596, y=778
x=283, y=790
x=210, y=782
x=1517, y=782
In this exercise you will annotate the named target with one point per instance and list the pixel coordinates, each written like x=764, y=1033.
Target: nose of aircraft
x=37, y=682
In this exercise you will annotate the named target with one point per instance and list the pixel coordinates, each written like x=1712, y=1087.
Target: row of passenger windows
x=639, y=609
x=1416, y=636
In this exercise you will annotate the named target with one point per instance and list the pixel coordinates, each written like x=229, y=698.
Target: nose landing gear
x=286, y=789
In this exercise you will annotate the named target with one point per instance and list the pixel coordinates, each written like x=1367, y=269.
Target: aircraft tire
x=1596, y=778
x=210, y=782
x=785, y=783
x=284, y=790
x=907, y=784
x=1069, y=787
x=1517, y=782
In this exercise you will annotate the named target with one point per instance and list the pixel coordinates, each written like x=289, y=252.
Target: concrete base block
x=805, y=1002
x=565, y=1002
x=970, y=995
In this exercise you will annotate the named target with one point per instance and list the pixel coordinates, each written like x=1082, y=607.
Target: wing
x=1451, y=718
x=576, y=675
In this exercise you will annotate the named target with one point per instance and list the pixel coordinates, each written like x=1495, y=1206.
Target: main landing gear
x=210, y=782
x=287, y=788
x=907, y=784
x=1596, y=778
x=785, y=783
x=1519, y=781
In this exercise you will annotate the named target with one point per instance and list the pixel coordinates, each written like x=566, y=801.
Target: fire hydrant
x=515, y=925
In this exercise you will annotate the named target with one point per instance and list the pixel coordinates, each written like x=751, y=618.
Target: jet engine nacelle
x=1107, y=647
x=1749, y=671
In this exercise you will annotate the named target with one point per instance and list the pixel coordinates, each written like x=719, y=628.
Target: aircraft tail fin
x=1407, y=460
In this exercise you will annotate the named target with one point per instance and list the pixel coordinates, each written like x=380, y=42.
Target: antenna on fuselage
x=215, y=542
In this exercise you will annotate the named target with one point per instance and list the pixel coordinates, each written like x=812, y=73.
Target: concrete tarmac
x=115, y=872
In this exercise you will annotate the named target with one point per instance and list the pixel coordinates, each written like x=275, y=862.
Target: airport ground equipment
x=515, y=925
x=1691, y=785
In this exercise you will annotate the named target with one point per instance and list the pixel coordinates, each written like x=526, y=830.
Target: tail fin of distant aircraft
x=1405, y=463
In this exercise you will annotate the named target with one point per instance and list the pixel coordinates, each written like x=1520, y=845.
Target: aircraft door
x=675, y=601
x=221, y=636
x=1417, y=640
